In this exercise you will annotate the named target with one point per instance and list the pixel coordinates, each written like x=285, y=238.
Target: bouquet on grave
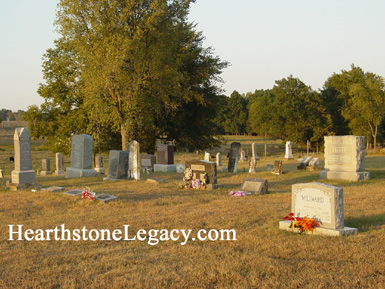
x=189, y=182
x=303, y=224
x=87, y=193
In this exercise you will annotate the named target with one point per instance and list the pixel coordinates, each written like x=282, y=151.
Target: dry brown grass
x=262, y=256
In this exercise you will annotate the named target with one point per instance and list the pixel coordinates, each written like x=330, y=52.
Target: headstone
x=81, y=157
x=46, y=167
x=74, y=193
x=313, y=165
x=219, y=160
x=304, y=163
x=54, y=189
x=99, y=165
x=23, y=175
x=59, y=165
x=254, y=186
x=8, y=122
x=233, y=157
x=269, y=167
x=200, y=168
x=148, y=161
x=159, y=168
x=277, y=169
x=288, y=150
x=243, y=156
x=254, y=151
x=135, y=173
x=252, y=165
x=345, y=158
x=155, y=180
x=322, y=202
x=165, y=154
x=207, y=156
x=117, y=165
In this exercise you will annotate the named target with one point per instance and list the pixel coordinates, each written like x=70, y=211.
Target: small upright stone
x=207, y=156
x=252, y=166
x=46, y=167
x=59, y=165
x=99, y=165
x=219, y=160
x=288, y=151
x=233, y=157
x=242, y=158
x=81, y=157
x=277, y=169
x=117, y=165
x=148, y=161
x=254, y=151
x=135, y=160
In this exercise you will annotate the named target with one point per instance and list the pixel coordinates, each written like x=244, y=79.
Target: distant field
x=261, y=257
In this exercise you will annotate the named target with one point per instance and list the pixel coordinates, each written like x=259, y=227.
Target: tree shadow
x=366, y=223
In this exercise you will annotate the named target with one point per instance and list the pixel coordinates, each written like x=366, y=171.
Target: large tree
x=140, y=63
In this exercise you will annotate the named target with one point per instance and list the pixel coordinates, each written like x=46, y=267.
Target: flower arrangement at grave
x=237, y=194
x=87, y=193
x=189, y=182
x=303, y=224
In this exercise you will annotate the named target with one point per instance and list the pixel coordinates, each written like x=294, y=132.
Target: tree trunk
x=124, y=133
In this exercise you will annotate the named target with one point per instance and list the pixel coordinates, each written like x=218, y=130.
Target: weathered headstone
x=200, y=168
x=219, y=159
x=74, y=193
x=323, y=203
x=117, y=165
x=233, y=157
x=277, y=169
x=345, y=158
x=1, y=174
x=106, y=198
x=207, y=156
x=46, y=167
x=81, y=157
x=99, y=165
x=252, y=165
x=242, y=158
x=254, y=151
x=313, y=165
x=254, y=186
x=180, y=168
x=269, y=167
x=288, y=150
x=148, y=161
x=23, y=175
x=304, y=163
x=134, y=157
x=59, y=165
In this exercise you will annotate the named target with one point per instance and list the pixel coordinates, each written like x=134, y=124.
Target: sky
x=264, y=41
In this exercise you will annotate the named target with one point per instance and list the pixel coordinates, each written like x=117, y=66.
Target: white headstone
x=219, y=159
x=207, y=156
x=288, y=150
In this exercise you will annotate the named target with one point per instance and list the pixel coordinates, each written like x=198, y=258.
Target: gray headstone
x=99, y=165
x=46, y=167
x=219, y=159
x=59, y=165
x=200, y=168
x=233, y=157
x=106, y=198
x=74, y=193
x=81, y=157
x=118, y=165
x=254, y=186
x=23, y=173
x=148, y=161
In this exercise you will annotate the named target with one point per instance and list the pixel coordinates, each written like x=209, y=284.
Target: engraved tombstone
x=277, y=169
x=81, y=157
x=242, y=158
x=254, y=151
x=233, y=157
x=254, y=186
x=59, y=165
x=322, y=202
x=22, y=175
x=219, y=159
x=117, y=165
x=46, y=167
x=207, y=156
x=345, y=158
x=252, y=165
x=200, y=168
x=148, y=161
x=165, y=154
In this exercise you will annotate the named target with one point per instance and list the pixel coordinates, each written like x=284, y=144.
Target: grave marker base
x=28, y=186
x=72, y=173
x=164, y=168
x=348, y=176
x=346, y=231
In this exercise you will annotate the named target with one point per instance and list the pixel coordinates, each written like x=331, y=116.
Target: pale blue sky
x=264, y=40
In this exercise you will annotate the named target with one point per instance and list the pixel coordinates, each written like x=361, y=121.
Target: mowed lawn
x=261, y=257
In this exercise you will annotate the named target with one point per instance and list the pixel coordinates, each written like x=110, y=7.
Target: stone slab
x=74, y=193
x=164, y=168
x=254, y=186
x=105, y=198
x=28, y=186
x=80, y=173
x=23, y=177
x=53, y=189
x=180, y=168
x=345, y=231
x=348, y=176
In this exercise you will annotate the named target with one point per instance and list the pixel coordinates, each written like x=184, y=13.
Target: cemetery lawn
x=261, y=257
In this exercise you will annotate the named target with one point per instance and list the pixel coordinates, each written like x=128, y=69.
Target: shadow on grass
x=366, y=223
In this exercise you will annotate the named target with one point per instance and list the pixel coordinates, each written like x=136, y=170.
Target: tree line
x=350, y=102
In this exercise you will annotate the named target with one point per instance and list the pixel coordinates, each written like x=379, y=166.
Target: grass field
x=261, y=257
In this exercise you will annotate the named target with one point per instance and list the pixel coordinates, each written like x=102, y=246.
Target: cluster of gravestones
x=344, y=159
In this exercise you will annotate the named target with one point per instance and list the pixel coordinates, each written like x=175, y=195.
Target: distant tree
x=291, y=111
x=361, y=99
x=236, y=114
